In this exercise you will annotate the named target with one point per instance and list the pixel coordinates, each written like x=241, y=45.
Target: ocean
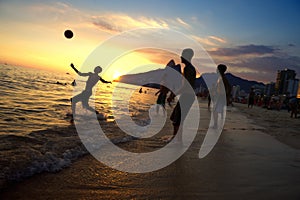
x=35, y=130
x=33, y=99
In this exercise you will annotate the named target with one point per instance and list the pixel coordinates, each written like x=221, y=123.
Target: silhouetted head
x=98, y=69
x=187, y=55
x=222, y=68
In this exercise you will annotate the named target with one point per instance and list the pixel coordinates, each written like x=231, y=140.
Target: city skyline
x=254, y=39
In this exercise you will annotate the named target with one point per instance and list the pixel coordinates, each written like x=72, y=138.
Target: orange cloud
x=183, y=23
x=109, y=22
x=114, y=22
x=218, y=39
x=210, y=42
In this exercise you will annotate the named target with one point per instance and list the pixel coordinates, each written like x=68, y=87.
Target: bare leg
x=175, y=130
x=74, y=100
x=91, y=109
x=85, y=103
x=208, y=104
x=294, y=113
x=157, y=109
x=177, y=133
x=215, y=115
x=164, y=110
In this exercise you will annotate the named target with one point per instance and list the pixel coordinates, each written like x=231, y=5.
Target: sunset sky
x=253, y=38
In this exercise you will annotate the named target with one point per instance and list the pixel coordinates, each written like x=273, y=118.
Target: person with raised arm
x=93, y=78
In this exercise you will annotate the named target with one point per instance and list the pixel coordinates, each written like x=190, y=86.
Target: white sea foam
x=42, y=151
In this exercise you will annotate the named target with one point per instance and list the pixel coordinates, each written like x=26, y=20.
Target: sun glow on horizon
x=130, y=63
x=116, y=76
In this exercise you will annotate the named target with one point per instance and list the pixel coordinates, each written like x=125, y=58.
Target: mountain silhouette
x=243, y=83
x=155, y=75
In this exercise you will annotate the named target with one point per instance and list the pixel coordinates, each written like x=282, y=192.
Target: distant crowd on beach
x=285, y=102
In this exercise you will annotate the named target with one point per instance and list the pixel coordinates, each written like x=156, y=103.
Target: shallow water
x=33, y=99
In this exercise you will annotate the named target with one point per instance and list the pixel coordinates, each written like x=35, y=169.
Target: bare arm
x=104, y=81
x=78, y=72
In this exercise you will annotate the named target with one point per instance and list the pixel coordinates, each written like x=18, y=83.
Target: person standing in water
x=84, y=96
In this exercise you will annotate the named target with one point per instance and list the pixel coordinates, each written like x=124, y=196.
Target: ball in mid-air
x=68, y=34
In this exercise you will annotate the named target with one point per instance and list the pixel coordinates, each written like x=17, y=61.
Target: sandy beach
x=246, y=162
x=275, y=123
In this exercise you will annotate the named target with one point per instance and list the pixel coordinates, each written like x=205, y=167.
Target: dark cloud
x=291, y=45
x=243, y=50
x=264, y=68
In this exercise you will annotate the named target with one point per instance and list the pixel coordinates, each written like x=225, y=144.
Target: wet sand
x=246, y=163
x=278, y=124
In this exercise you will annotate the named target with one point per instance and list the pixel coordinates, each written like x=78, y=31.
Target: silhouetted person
x=251, y=98
x=161, y=99
x=219, y=104
x=293, y=104
x=84, y=96
x=73, y=83
x=177, y=68
x=222, y=69
x=286, y=101
x=187, y=97
x=208, y=102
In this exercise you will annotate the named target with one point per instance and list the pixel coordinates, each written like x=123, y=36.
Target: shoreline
x=245, y=161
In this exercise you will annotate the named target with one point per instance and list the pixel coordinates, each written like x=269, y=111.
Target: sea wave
x=48, y=150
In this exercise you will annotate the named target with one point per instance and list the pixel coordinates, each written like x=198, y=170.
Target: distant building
x=292, y=87
x=282, y=80
x=269, y=89
x=235, y=91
